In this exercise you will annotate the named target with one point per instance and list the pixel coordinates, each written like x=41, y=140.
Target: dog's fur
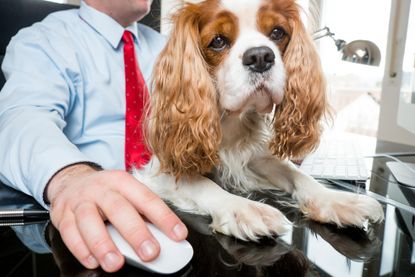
x=210, y=114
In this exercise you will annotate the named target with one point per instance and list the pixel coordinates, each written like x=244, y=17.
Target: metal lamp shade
x=362, y=52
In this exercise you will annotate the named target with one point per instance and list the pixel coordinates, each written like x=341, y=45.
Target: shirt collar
x=105, y=25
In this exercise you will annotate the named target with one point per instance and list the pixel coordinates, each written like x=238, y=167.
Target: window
x=354, y=89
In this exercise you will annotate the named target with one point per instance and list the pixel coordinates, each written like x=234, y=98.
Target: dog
x=237, y=93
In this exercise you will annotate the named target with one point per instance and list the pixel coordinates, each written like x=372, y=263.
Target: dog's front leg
x=315, y=200
x=231, y=214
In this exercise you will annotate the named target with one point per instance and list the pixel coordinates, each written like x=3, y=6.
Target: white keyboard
x=338, y=159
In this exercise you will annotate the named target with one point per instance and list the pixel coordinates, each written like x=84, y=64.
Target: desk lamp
x=357, y=51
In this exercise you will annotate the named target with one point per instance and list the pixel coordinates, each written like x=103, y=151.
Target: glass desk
x=308, y=249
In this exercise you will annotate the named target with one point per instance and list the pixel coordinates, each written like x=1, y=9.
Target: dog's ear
x=297, y=121
x=183, y=122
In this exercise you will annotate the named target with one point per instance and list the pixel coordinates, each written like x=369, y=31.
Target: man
x=62, y=118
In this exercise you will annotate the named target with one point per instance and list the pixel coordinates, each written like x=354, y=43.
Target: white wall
x=167, y=8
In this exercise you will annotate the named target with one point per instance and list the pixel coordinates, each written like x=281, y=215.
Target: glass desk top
x=308, y=249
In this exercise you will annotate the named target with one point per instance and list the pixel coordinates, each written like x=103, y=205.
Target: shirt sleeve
x=34, y=102
x=33, y=236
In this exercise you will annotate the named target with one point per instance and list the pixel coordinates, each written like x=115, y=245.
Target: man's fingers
x=94, y=233
x=73, y=240
x=131, y=226
x=155, y=210
x=84, y=200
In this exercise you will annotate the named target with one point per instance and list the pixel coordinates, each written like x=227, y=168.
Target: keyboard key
x=353, y=171
x=363, y=172
x=317, y=170
x=340, y=170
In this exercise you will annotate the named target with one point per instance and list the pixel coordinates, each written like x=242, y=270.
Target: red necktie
x=136, y=95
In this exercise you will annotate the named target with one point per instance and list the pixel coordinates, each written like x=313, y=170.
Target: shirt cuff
x=49, y=167
x=95, y=166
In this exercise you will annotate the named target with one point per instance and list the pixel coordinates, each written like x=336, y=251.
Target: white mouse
x=173, y=255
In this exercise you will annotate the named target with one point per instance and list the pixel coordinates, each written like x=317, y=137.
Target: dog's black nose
x=259, y=59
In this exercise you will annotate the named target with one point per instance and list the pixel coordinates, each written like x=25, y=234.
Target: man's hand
x=82, y=199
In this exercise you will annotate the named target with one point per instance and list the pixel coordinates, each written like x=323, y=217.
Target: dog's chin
x=261, y=101
x=259, y=107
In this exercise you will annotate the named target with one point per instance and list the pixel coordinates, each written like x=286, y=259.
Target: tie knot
x=127, y=37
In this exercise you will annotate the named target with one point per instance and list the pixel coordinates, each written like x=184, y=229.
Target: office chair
x=17, y=14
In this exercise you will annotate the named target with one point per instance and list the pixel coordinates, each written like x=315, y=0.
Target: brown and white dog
x=237, y=92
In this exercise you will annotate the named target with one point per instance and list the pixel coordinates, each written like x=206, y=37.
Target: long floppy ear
x=297, y=121
x=183, y=123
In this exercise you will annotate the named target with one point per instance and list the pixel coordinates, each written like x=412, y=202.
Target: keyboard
x=337, y=159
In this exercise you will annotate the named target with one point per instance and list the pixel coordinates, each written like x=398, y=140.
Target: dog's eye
x=277, y=34
x=219, y=43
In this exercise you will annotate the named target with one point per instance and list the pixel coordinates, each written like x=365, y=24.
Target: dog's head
x=227, y=56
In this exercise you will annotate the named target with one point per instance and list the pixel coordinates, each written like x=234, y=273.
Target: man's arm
x=33, y=105
x=35, y=151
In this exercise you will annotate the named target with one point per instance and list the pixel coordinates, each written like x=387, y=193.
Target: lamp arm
x=323, y=32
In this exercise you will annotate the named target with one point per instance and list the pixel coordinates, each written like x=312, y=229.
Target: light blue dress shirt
x=64, y=99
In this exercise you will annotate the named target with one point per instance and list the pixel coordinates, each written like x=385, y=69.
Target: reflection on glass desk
x=308, y=249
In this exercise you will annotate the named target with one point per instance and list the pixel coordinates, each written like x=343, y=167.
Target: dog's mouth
x=264, y=95
x=261, y=100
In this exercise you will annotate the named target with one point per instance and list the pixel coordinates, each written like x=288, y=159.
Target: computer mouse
x=173, y=255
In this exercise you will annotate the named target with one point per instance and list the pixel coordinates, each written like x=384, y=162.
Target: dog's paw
x=343, y=208
x=248, y=220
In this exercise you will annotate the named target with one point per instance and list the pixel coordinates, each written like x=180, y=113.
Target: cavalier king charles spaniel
x=237, y=92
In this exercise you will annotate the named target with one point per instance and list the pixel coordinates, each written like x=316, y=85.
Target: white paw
x=343, y=208
x=248, y=220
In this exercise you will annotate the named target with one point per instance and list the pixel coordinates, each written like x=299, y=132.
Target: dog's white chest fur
x=246, y=138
